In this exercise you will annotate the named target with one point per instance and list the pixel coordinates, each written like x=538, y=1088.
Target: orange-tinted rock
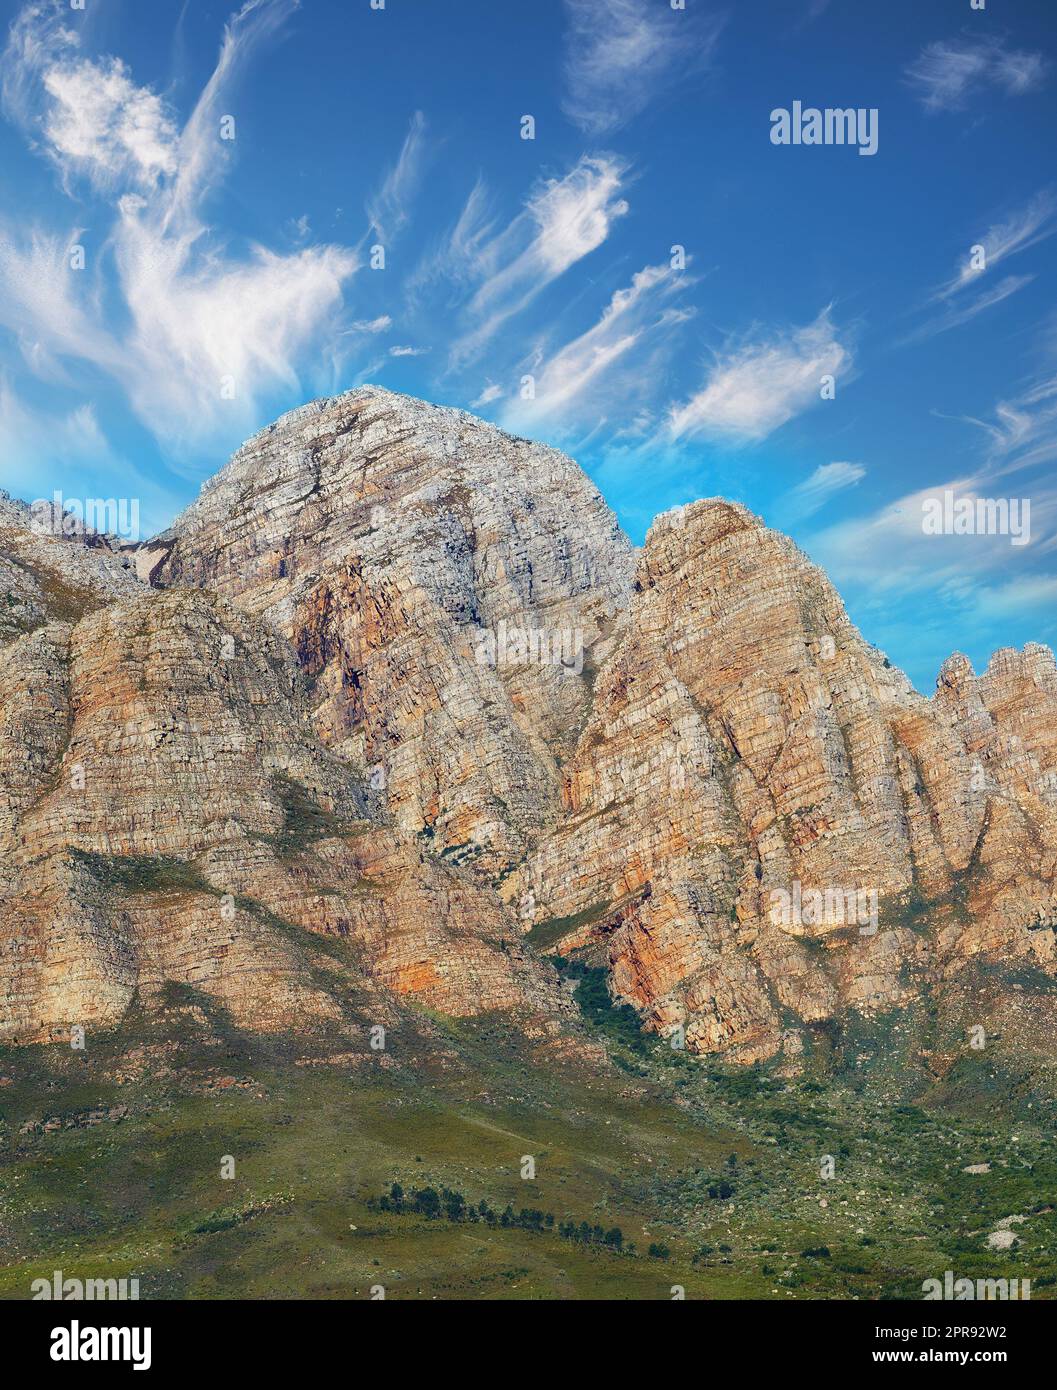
x=746, y=746
x=400, y=694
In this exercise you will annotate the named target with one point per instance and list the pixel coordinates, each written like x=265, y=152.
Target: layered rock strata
x=400, y=708
x=764, y=824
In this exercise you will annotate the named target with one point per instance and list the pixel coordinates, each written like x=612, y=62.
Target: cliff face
x=400, y=692
x=420, y=562
x=762, y=816
x=177, y=821
x=50, y=567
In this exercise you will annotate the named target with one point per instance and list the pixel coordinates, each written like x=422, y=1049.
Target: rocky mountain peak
x=401, y=689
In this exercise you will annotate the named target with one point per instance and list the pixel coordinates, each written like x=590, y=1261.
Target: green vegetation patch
x=617, y=1022
x=548, y=933
x=143, y=873
x=305, y=822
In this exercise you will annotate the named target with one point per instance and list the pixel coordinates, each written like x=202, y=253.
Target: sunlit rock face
x=421, y=562
x=762, y=817
x=395, y=705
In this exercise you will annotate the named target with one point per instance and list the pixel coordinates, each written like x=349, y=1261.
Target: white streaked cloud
x=972, y=576
x=41, y=449
x=562, y=222
x=387, y=209
x=814, y=492
x=203, y=323
x=378, y=325
x=611, y=365
x=202, y=332
x=201, y=163
x=491, y=392
x=1023, y=433
x=915, y=562
x=754, y=388
x=100, y=122
x=1023, y=228
x=972, y=289
x=1017, y=596
x=456, y=258
x=29, y=436
x=955, y=315
x=948, y=73
x=88, y=117
x=621, y=53
x=54, y=313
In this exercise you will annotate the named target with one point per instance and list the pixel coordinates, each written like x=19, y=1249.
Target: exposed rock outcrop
x=179, y=822
x=404, y=549
x=400, y=693
x=747, y=750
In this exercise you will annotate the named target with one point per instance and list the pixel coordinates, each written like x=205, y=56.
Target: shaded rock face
x=50, y=566
x=399, y=693
x=179, y=822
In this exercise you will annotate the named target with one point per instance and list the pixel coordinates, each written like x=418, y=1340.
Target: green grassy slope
x=119, y=1172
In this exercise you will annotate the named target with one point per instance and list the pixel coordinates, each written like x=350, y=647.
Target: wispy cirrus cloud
x=972, y=290
x=387, y=209
x=814, y=492
x=202, y=331
x=955, y=315
x=1022, y=228
x=1023, y=432
x=621, y=53
x=200, y=163
x=376, y=325
x=969, y=579
x=40, y=449
x=564, y=220
x=755, y=387
x=492, y=391
x=917, y=561
x=29, y=436
x=455, y=257
x=53, y=314
x=611, y=365
x=947, y=74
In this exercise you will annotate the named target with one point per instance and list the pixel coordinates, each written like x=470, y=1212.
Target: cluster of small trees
x=428, y=1202
x=586, y=1234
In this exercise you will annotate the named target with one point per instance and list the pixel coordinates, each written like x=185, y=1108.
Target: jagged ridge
x=403, y=685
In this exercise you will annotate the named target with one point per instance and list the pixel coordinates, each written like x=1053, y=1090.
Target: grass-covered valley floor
x=111, y=1164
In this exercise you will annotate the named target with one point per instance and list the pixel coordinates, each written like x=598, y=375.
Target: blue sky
x=226, y=280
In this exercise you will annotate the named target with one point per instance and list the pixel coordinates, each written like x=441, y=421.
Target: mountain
x=394, y=709
x=746, y=747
